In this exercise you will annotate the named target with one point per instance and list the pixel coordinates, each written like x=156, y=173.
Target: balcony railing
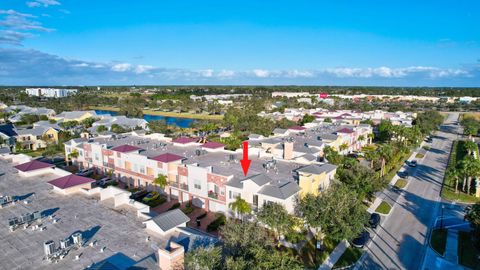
x=183, y=186
x=173, y=184
x=212, y=195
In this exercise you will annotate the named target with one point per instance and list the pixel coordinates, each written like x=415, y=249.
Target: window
x=255, y=200
x=197, y=185
x=229, y=194
x=97, y=157
x=142, y=169
x=222, y=191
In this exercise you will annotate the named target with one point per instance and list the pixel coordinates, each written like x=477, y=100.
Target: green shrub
x=188, y=209
x=219, y=221
x=157, y=202
x=175, y=206
x=294, y=236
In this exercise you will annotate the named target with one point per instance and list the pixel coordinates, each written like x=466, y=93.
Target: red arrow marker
x=245, y=161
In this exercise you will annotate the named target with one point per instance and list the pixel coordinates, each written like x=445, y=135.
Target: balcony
x=183, y=186
x=173, y=184
x=212, y=195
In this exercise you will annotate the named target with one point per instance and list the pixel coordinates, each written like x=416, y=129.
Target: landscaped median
x=455, y=172
x=383, y=208
x=401, y=183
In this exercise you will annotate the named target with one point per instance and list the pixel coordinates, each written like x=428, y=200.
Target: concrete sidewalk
x=334, y=256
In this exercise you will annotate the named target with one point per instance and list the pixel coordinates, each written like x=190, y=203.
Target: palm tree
x=240, y=206
x=161, y=181
x=471, y=168
x=454, y=174
x=470, y=146
x=343, y=147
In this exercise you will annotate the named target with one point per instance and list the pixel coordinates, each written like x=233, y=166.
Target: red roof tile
x=167, y=157
x=33, y=165
x=70, y=180
x=213, y=145
x=184, y=140
x=125, y=148
x=345, y=130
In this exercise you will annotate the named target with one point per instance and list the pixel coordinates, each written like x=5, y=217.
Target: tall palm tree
x=470, y=146
x=471, y=167
x=455, y=174
x=241, y=207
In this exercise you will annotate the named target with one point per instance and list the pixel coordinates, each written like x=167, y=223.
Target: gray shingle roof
x=280, y=189
x=36, y=131
x=279, y=131
x=171, y=219
x=317, y=169
x=259, y=179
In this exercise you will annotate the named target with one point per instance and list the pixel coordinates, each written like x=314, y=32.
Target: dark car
x=86, y=173
x=374, y=220
x=412, y=163
x=403, y=174
x=139, y=195
x=361, y=240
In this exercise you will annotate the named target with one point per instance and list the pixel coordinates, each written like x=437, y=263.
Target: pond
x=180, y=122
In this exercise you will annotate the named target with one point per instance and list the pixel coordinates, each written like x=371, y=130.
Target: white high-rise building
x=50, y=92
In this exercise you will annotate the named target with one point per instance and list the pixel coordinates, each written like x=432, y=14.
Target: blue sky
x=392, y=43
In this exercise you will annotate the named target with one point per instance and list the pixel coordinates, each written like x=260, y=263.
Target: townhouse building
x=203, y=173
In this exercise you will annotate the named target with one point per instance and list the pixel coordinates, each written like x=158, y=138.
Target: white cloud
x=42, y=3
x=121, y=67
x=15, y=27
x=24, y=66
x=143, y=68
x=226, y=73
x=261, y=73
x=206, y=73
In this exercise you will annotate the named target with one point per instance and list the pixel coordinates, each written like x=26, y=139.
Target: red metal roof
x=345, y=130
x=213, y=145
x=70, y=180
x=125, y=148
x=167, y=157
x=184, y=140
x=33, y=165
x=297, y=128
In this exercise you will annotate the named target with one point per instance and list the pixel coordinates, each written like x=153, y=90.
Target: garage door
x=186, y=196
x=217, y=207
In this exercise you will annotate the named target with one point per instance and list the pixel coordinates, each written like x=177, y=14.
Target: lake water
x=180, y=122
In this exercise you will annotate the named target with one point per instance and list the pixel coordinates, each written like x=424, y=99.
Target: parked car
x=361, y=240
x=412, y=163
x=85, y=172
x=374, y=220
x=105, y=181
x=151, y=196
x=138, y=194
x=403, y=174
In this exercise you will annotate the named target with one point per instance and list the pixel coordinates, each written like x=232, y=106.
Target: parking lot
x=114, y=230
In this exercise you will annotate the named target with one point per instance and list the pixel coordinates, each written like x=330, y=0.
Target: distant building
x=50, y=92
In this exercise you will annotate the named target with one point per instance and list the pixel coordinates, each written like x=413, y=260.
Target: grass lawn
x=401, y=183
x=383, y=208
x=168, y=114
x=31, y=153
x=311, y=257
x=448, y=191
x=438, y=240
x=349, y=257
x=467, y=253
x=419, y=156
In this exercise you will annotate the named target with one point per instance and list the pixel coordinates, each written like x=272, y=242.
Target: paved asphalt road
x=400, y=242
